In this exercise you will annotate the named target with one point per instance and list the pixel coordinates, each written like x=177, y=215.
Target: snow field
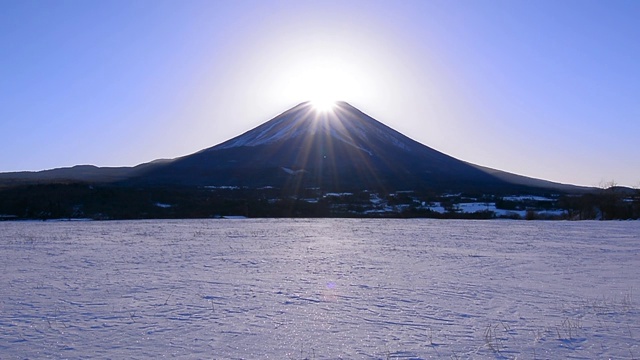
x=320, y=289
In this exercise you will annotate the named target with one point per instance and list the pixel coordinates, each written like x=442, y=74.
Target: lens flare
x=323, y=105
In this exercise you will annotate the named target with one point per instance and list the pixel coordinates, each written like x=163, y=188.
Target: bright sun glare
x=323, y=105
x=323, y=79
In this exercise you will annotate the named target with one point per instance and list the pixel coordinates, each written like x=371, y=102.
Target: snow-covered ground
x=320, y=289
x=526, y=197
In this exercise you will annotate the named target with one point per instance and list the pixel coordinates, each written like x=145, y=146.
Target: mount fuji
x=303, y=162
x=338, y=150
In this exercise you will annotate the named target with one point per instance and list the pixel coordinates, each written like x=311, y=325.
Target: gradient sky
x=548, y=89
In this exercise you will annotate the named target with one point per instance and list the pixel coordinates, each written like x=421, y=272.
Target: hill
x=305, y=162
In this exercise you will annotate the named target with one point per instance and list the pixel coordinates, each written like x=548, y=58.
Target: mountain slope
x=533, y=182
x=82, y=173
x=340, y=150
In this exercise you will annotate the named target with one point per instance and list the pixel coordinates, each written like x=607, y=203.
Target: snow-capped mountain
x=343, y=123
x=339, y=150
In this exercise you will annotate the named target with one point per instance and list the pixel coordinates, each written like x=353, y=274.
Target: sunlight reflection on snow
x=323, y=288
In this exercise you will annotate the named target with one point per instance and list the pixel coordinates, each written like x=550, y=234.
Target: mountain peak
x=343, y=123
x=304, y=149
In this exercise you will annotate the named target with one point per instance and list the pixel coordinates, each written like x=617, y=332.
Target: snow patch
x=293, y=172
x=332, y=194
x=526, y=197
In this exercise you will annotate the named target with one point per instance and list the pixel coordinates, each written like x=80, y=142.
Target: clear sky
x=548, y=89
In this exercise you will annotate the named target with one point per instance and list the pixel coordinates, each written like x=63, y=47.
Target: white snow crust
x=527, y=197
x=320, y=289
x=345, y=125
x=291, y=171
x=264, y=135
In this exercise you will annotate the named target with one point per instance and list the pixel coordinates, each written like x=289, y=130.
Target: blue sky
x=548, y=89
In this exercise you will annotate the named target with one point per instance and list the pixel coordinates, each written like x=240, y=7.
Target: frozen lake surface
x=320, y=289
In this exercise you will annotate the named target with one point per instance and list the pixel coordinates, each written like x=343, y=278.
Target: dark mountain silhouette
x=339, y=150
x=305, y=163
x=79, y=173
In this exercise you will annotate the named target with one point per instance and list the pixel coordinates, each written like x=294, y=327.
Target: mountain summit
x=303, y=162
x=339, y=150
x=343, y=123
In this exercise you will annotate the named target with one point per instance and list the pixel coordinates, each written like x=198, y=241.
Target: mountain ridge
x=341, y=149
x=360, y=152
x=305, y=163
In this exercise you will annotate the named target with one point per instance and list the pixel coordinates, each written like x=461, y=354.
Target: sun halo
x=323, y=105
x=323, y=79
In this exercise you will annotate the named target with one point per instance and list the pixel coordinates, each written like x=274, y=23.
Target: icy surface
x=320, y=289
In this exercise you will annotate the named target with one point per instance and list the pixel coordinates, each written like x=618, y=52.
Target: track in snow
x=320, y=289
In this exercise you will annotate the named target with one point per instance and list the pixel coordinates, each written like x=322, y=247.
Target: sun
x=323, y=104
x=323, y=78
